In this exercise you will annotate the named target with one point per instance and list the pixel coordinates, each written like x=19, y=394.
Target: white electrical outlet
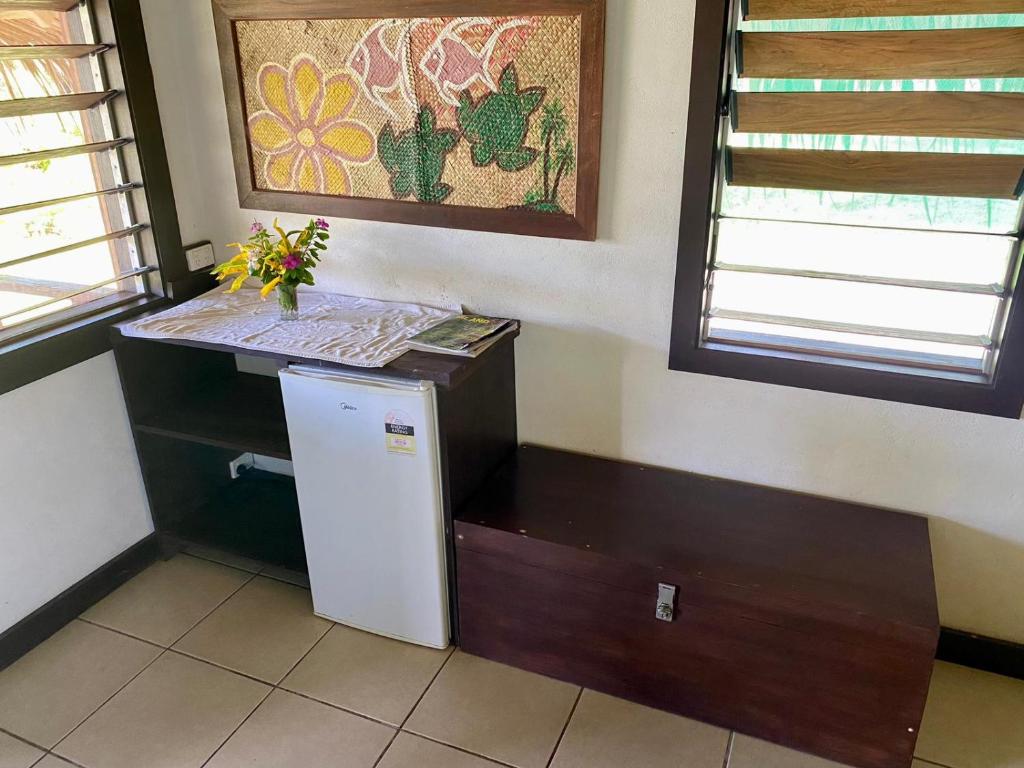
x=242, y=464
x=200, y=257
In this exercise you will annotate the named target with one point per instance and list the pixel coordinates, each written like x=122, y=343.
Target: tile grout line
x=221, y=667
x=203, y=618
x=23, y=740
x=386, y=748
x=456, y=748
x=273, y=687
x=261, y=570
x=164, y=650
x=209, y=613
x=121, y=632
x=427, y=687
x=932, y=762
x=412, y=709
x=52, y=750
x=212, y=559
x=565, y=727
x=238, y=727
x=338, y=707
x=728, y=749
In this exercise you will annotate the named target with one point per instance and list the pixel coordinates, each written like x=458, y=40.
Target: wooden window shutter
x=918, y=54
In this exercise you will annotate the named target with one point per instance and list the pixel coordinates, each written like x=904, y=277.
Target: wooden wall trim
x=46, y=620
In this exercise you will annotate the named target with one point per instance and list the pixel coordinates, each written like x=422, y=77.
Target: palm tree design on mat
x=559, y=159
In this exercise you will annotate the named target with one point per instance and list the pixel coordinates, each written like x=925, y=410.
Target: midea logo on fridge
x=347, y=407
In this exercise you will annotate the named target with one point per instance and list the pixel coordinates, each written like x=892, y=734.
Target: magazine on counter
x=464, y=335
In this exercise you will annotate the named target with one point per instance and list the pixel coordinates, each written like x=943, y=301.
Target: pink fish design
x=452, y=65
x=381, y=69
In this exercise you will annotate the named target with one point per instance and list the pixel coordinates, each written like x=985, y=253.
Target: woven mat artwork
x=473, y=111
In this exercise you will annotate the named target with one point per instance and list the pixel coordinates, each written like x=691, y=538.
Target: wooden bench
x=804, y=621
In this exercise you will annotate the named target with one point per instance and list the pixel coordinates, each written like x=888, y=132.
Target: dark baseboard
x=957, y=647
x=979, y=652
x=44, y=621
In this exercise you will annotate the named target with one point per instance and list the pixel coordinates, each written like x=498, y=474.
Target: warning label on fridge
x=400, y=433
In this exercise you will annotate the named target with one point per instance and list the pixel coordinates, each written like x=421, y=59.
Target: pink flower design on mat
x=305, y=130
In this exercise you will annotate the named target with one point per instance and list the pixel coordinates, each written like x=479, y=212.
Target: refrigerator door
x=367, y=470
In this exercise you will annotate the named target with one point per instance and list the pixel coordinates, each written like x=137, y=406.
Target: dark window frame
x=67, y=341
x=1002, y=396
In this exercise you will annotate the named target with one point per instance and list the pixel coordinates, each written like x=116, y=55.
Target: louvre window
x=867, y=200
x=69, y=177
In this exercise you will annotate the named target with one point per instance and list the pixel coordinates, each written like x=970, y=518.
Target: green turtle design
x=497, y=126
x=416, y=158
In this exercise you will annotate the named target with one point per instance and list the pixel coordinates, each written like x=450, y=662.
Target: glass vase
x=288, y=300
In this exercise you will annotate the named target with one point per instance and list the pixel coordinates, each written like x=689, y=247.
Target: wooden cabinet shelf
x=243, y=412
x=256, y=516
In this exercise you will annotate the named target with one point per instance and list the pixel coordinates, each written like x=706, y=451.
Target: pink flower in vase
x=322, y=223
x=292, y=261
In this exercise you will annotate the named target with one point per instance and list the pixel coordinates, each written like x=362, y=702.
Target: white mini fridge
x=367, y=470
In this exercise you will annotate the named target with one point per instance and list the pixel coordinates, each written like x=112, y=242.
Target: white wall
x=592, y=359
x=71, y=495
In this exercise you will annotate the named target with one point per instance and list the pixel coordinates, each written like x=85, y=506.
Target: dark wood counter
x=192, y=412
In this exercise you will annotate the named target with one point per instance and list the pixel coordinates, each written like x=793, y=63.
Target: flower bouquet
x=281, y=262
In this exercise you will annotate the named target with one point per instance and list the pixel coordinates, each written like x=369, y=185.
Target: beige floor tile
x=748, y=752
x=52, y=761
x=297, y=578
x=973, y=719
x=174, y=715
x=495, y=711
x=288, y=731
x=375, y=676
x=262, y=630
x=17, y=754
x=224, y=558
x=606, y=732
x=60, y=682
x=410, y=751
x=167, y=599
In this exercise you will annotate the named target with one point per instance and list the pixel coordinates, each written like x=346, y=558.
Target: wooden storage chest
x=804, y=621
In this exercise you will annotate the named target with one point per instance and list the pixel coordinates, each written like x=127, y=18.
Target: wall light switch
x=200, y=257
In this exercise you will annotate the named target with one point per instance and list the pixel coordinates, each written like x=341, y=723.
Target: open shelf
x=243, y=412
x=256, y=516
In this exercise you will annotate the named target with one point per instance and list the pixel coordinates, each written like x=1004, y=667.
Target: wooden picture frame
x=580, y=225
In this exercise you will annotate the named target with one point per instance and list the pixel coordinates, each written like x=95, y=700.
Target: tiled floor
x=197, y=663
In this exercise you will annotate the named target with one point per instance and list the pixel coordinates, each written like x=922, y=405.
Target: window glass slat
x=970, y=356
x=854, y=328
x=39, y=5
x=906, y=173
x=74, y=102
x=22, y=207
x=32, y=309
x=74, y=246
x=931, y=285
x=821, y=9
x=850, y=350
x=939, y=53
x=952, y=115
x=909, y=313
x=51, y=154
x=40, y=52
x=896, y=257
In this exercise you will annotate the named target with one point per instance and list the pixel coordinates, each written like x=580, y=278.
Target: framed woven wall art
x=472, y=114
